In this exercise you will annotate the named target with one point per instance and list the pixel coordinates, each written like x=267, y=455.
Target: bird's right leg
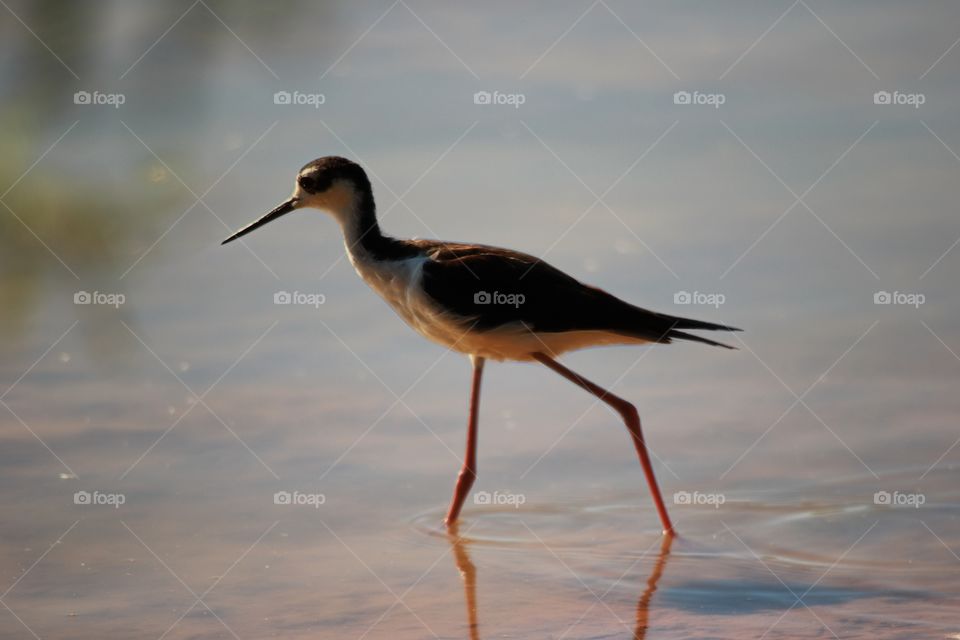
x=469, y=471
x=630, y=418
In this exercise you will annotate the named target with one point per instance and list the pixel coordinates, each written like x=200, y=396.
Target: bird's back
x=506, y=304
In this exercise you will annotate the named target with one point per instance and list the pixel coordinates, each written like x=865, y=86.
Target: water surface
x=812, y=473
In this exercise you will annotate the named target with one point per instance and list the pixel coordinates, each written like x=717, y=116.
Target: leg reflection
x=643, y=604
x=468, y=573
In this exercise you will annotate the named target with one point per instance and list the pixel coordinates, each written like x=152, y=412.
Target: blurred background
x=789, y=168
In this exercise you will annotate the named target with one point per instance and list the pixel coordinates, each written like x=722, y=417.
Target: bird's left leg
x=469, y=471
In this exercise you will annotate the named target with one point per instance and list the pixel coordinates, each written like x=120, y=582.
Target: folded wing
x=491, y=287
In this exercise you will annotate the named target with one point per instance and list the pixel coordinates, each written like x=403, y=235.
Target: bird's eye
x=307, y=183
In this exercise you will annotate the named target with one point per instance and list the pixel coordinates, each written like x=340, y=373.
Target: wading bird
x=484, y=301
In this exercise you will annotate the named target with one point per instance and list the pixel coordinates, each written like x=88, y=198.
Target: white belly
x=398, y=283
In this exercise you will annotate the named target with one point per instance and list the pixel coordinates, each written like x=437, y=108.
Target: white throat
x=343, y=202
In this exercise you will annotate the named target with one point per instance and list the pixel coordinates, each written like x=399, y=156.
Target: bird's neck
x=361, y=231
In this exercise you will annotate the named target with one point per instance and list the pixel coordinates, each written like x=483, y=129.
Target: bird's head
x=333, y=184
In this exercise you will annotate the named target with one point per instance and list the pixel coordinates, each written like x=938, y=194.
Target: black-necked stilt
x=483, y=301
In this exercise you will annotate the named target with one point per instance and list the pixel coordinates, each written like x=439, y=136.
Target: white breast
x=398, y=282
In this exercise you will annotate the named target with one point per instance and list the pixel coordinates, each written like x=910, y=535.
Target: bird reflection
x=643, y=604
x=468, y=573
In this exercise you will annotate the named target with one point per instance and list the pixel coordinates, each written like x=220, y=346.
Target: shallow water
x=812, y=474
x=778, y=565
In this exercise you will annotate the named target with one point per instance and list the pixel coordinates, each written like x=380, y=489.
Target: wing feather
x=491, y=287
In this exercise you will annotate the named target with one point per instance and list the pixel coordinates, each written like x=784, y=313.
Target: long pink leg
x=630, y=417
x=469, y=471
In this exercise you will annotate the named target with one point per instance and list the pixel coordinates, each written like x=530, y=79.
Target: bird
x=486, y=302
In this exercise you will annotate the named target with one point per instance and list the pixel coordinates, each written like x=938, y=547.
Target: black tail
x=612, y=314
x=676, y=323
x=687, y=323
x=680, y=335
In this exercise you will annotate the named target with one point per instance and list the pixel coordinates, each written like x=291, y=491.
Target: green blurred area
x=58, y=228
x=71, y=217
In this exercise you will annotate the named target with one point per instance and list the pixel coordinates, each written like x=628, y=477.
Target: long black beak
x=283, y=209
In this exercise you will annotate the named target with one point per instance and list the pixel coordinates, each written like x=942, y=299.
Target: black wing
x=491, y=287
